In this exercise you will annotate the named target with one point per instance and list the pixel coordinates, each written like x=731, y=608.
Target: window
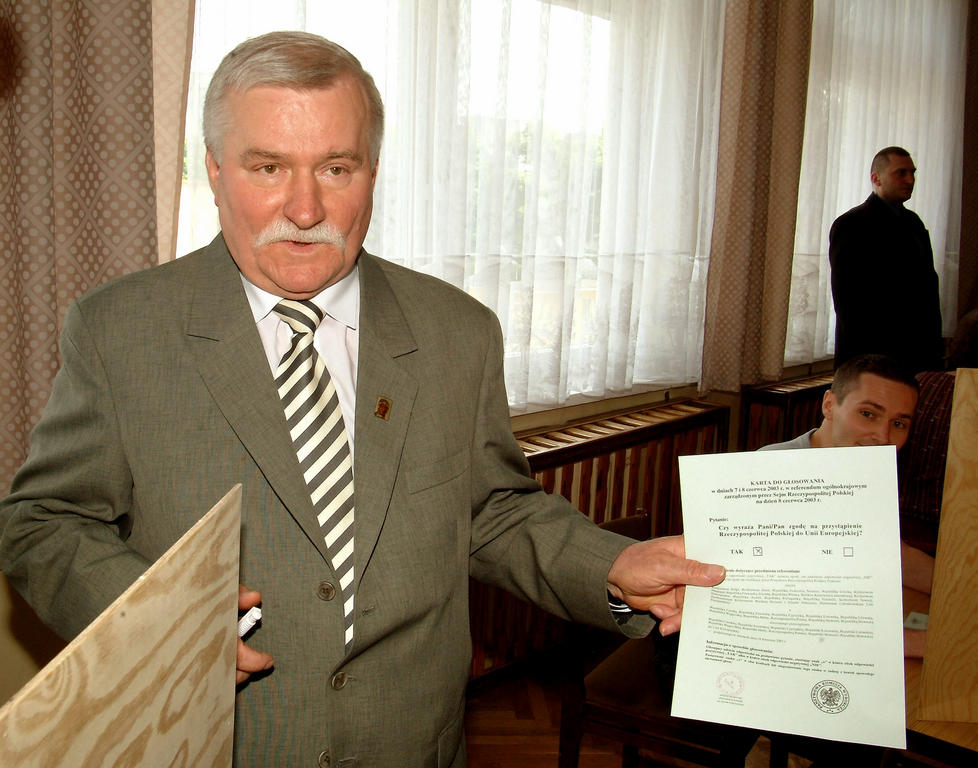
x=882, y=73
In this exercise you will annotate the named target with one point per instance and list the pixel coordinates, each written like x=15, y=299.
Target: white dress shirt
x=337, y=339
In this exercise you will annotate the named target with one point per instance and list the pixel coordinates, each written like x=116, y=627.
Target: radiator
x=608, y=468
x=773, y=413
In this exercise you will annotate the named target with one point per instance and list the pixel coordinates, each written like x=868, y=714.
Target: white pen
x=246, y=622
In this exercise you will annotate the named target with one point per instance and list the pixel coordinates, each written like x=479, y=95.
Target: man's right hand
x=249, y=660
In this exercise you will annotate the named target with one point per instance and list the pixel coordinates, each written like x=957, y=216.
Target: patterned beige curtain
x=78, y=201
x=762, y=121
x=173, y=37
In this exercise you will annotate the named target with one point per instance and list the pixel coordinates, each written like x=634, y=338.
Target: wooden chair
x=627, y=696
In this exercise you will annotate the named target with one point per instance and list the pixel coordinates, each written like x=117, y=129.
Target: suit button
x=324, y=759
x=339, y=681
x=325, y=591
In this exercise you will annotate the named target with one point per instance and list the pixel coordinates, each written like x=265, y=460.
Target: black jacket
x=884, y=286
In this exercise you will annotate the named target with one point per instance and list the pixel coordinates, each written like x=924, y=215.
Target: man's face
x=895, y=183
x=294, y=185
x=876, y=411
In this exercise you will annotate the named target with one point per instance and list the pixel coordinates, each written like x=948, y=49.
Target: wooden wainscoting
x=608, y=468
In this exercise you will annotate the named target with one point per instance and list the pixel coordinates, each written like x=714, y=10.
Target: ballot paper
x=805, y=634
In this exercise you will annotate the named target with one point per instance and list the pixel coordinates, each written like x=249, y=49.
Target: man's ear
x=213, y=171
x=213, y=167
x=874, y=177
x=828, y=403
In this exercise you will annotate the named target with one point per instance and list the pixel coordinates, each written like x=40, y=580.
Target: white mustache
x=283, y=229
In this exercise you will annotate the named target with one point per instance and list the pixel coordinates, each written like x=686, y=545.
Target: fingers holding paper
x=652, y=576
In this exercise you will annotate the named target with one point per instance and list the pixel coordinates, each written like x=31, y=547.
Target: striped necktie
x=315, y=421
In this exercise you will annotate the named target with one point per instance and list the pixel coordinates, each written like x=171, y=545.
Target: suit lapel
x=230, y=357
x=222, y=334
x=382, y=383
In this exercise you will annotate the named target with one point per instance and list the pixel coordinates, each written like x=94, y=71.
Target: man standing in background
x=884, y=285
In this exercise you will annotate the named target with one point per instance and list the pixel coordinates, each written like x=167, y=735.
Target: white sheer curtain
x=556, y=160
x=882, y=73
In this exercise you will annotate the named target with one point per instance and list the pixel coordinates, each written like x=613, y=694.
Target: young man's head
x=871, y=402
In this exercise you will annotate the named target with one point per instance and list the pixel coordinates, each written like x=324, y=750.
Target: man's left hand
x=651, y=576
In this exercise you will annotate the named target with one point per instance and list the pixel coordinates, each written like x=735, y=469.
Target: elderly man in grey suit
x=361, y=406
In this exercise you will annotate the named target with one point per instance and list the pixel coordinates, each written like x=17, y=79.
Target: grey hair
x=291, y=59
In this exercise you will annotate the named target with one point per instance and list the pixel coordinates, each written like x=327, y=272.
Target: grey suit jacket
x=165, y=400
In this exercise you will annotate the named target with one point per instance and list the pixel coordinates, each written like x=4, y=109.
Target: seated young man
x=871, y=402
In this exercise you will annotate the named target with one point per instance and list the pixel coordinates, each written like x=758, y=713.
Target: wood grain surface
x=960, y=734
x=949, y=681
x=150, y=681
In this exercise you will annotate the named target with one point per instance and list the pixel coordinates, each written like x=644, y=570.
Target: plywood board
x=949, y=684
x=151, y=680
